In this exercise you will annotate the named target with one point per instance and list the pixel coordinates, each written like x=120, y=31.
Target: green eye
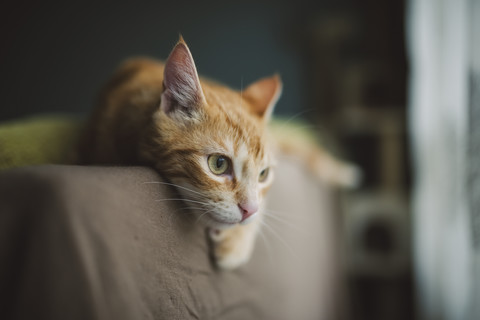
x=263, y=175
x=218, y=164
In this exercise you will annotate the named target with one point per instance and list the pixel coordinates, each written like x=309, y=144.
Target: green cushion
x=38, y=140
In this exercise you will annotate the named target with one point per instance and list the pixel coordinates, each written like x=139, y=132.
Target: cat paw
x=229, y=250
x=231, y=261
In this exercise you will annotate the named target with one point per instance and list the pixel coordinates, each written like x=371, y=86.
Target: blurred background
x=345, y=71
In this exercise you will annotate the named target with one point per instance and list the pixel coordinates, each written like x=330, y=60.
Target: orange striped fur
x=165, y=116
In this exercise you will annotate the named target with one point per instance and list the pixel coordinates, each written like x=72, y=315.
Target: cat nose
x=248, y=209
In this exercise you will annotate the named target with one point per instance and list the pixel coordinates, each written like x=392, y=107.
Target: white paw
x=230, y=249
x=232, y=260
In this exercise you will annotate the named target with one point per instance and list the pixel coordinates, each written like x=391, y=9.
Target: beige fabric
x=93, y=243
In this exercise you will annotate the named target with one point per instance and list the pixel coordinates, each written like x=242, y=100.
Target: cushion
x=38, y=140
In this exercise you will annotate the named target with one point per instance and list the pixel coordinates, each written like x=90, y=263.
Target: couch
x=94, y=243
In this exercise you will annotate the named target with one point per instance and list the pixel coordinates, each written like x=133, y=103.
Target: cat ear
x=181, y=85
x=263, y=94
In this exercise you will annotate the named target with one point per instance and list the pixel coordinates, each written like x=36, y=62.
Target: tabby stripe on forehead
x=234, y=125
x=221, y=142
x=239, y=132
x=245, y=167
x=256, y=146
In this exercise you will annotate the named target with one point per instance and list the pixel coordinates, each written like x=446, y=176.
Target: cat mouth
x=219, y=221
x=216, y=219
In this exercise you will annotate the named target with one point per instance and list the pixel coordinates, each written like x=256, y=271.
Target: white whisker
x=284, y=215
x=279, y=238
x=190, y=208
x=284, y=221
x=295, y=228
x=298, y=114
x=267, y=246
x=187, y=200
x=175, y=185
x=202, y=215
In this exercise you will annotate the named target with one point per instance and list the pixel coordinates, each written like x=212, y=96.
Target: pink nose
x=247, y=209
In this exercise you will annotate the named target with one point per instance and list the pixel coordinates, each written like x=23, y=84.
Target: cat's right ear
x=263, y=94
x=181, y=86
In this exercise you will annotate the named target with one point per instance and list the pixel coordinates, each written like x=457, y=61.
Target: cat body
x=208, y=140
x=205, y=138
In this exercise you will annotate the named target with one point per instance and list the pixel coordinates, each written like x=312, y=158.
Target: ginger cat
x=205, y=138
x=208, y=140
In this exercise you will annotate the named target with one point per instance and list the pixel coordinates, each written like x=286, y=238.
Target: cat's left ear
x=181, y=85
x=263, y=95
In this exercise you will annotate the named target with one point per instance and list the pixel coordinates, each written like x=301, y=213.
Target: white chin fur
x=215, y=224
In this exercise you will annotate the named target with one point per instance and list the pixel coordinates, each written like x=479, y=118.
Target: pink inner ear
x=182, y=87
x=264, y=94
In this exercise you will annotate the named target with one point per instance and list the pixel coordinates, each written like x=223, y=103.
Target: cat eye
x=218, y=164
x=263, y=175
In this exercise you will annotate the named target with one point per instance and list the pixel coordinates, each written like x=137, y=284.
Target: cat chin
x=215, y=223
x=220, y=225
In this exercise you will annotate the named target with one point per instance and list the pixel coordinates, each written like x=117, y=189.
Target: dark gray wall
x=55, y=55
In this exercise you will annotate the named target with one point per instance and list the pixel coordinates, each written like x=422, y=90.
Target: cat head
x=211, y=141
